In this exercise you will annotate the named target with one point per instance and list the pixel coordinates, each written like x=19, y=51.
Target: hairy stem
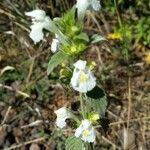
x=82, y=106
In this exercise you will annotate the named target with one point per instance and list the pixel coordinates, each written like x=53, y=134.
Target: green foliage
x=97, y=100
x=109, y=6
x=73, y=48
x=55, y=60
x=139, y=6
x=73, y=143
x=142, y=30
x=11, y=76
x=82, y=36
x=65, y=75
x=126, y=33
x=68, y=24
x=76, y=39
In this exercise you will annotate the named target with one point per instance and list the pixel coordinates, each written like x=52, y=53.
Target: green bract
x=68, y=24
x=73, y=48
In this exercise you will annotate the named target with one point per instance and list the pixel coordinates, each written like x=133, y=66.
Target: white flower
x=62, y=114
x=86, y=131
x=96, y=5
x=83, y=5
x=83, y=79
x=55, y=44
x=40, y=21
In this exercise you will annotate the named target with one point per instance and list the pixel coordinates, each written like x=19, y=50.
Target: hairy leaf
x=97, y=100
x=55, y=60
x=73, y=143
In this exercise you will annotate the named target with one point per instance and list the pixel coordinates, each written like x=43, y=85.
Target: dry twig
x=25, y=143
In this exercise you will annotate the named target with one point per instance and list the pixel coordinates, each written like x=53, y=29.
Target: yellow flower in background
x=147, y=58
x=114, y=36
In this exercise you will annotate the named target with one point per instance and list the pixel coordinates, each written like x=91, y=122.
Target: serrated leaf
x=98, y=105
x=55, y=60
x=97, y=100
x=97, y=38
x=73, y=143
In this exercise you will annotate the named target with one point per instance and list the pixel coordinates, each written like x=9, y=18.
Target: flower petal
x=86, y=123
x=75, y=78
x=83, y=79
x=37, y=14
x=80, y=64
x=54, y=45
x=61, y=123
x=86, y=131
x=62, y=114
x=96, y=5
x=36, y=33
x=82, y=6
x=79, y=131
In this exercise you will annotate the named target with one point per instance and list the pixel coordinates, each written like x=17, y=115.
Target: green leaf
x=97, y=100
x=73, y=143
x=55, y=60
x=82, y=36
x=97, y=38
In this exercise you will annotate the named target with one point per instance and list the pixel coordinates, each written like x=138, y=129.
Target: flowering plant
x=70, y=43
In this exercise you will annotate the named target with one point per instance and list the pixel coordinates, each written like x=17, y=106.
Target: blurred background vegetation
x=28, y=96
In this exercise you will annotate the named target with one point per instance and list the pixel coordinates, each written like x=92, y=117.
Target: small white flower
x=83, y=5
x=40, y=21
x=83, y=79
x=62, y=114
x=86, y=131
x=55, y=44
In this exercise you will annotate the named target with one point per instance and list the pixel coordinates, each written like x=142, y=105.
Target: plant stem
x=82, y=106
x=118, y=15
x=84, y=110
x=91, y=146
x=123, y=31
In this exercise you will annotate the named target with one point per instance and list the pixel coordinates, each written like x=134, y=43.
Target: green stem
x=123, y=31
x=87, y=106
x=91, y=146
x=118, y=15
x=76, y=119
x=82, y=106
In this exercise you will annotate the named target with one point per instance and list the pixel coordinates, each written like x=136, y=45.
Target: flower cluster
x=71, y=40
x=83, y=81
